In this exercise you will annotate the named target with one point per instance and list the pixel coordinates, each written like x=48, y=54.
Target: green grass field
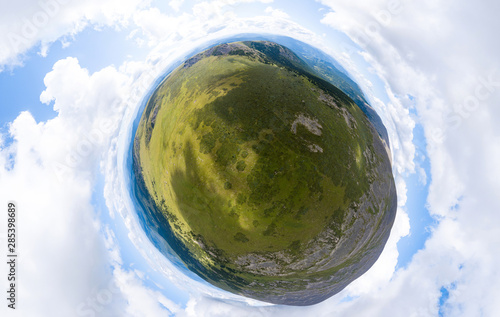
x=248, y=154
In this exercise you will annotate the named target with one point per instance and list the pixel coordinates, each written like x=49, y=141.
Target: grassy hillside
x=257, y=165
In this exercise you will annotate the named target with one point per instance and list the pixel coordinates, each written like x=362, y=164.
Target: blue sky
x=415, y=70
x=95, y=49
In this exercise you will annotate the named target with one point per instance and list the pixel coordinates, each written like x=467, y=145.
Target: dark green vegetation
x=329, y=69
x=270, y=180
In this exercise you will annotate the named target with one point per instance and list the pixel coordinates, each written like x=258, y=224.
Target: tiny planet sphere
x=269, y=181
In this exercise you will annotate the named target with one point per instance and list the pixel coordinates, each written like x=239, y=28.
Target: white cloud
x=204, y=19
x=58, y=229
x=142, y=301
x=277, y=13
x=28, y=23
x=176, y=4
